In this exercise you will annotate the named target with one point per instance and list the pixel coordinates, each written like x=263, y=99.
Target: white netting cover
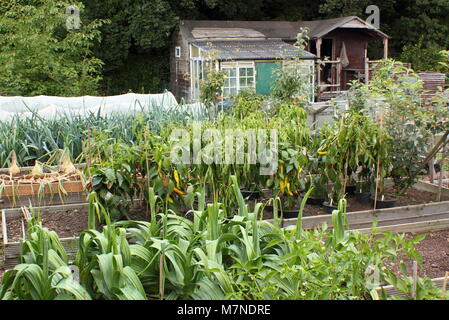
x=49, y=107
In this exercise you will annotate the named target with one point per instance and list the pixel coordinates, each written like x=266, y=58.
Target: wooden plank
x=4, y=228
x=399, y=220
x=430, y=187
x=46, y=200
x=391, y=290
x=16, y=212
x=422, y=226
x=12, y=249
x=367, y=216
x=31, y=189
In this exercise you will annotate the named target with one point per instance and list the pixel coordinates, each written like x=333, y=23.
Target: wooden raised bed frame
x=17, y=194
x=415, y=218
x=391, y=290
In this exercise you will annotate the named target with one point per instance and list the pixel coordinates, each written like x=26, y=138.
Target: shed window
x=197, y=77
x=238, y=76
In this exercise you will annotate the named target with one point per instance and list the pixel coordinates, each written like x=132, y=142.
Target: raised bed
x=417, y=218
x=409, y=218
x=431, y=187
x=48, y=189
x=393, y=291
x=10, y=250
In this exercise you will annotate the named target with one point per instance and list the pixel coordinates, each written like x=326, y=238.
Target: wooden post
x=4, y=228
x=338, y=74
x=432, y=164
x=415, y=278
x=442, y=173
x=318, y=75
x=443, y=292
x=366, y=70
x=386, y=48
x=318, y=47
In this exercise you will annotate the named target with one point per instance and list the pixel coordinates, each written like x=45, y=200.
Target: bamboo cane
x=161, y=277
x=378, y=156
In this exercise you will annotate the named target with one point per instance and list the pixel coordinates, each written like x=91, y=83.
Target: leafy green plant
x=43, y=273
x=63, y=62
x=425, y=58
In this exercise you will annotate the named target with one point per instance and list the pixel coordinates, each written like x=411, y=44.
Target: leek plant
x=43, y=272
x=210, y=256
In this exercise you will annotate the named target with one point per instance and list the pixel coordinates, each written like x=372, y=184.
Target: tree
x=423, y=58
x=39, y=55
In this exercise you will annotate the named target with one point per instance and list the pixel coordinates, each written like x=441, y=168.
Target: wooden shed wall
x=356, y=42
x=431, y=82
x=180, y=68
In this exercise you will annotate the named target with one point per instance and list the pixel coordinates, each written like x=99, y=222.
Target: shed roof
x=319, y=28
x=253, y=49
x=286, y=30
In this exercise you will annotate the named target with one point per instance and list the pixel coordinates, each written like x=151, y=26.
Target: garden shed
x=250, y=50
x=248, y=56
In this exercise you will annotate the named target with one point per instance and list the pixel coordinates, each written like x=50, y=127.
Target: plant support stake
x=441, y=143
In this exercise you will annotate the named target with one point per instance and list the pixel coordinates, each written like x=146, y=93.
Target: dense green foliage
x=38, y=55
x=423, y=58
x=36, y=138
x=210, y=256
x=134, y=44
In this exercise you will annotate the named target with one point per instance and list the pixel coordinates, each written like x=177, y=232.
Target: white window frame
x=196, y=75
x=238, y=66
x=178, y=52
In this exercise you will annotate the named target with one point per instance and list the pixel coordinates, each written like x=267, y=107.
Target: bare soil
x=434, y=250
x=68, y=223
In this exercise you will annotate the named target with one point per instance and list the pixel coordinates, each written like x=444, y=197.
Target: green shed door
x=265, y=76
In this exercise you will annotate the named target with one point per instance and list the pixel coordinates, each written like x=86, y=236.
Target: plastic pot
x=315, y=201
x=291, y=213
x=382, y=204
x=362, y=197
x=329, y=208
x=350, y=189
x=251, y=195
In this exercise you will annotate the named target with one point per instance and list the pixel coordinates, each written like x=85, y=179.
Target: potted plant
x=335, y=164
x=290, y=180
x=362, y=191
x=380, y=198
x=318, y=194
